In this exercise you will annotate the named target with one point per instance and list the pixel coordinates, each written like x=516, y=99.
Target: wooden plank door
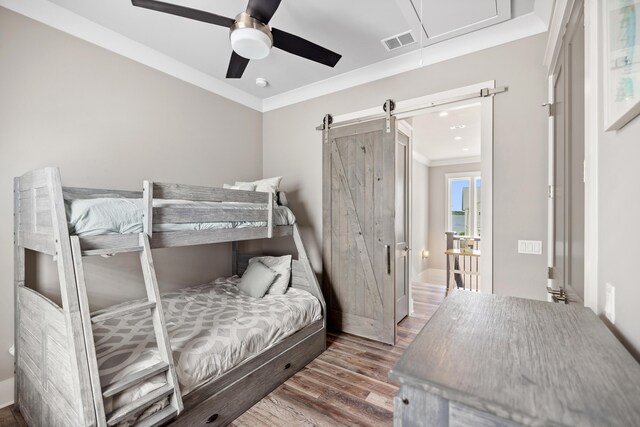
x=402, y=226
x=359, y=229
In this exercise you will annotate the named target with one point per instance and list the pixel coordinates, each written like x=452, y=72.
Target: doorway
x=367, y=207
x=446, y=194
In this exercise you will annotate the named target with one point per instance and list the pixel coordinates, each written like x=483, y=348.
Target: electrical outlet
x=610, y=303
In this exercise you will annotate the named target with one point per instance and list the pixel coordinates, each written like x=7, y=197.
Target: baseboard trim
x=6, y=392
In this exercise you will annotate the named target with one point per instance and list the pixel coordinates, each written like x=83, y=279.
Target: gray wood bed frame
x=54, y=352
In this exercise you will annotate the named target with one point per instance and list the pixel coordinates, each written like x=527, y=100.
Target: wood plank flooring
x=9, y=417
x=347, y=385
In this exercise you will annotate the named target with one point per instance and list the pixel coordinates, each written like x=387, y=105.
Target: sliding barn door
x=359, y=228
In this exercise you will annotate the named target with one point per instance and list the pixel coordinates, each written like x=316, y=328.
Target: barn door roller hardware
x=492, y=91
x=388, y=108
x=326, y=123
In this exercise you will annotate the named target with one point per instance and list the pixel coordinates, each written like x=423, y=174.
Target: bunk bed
x=58, y=348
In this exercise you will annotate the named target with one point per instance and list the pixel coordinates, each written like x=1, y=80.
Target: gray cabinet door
x=359, y=229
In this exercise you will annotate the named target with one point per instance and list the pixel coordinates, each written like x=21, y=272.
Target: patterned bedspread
x=212, y=328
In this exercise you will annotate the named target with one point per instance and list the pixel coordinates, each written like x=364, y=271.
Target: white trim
x=62, y=19
x=456, y=161
x=592, y=132
x=407, y=130
x=6, y=392
x=420, y=158
x=514, y=29
x=486, y=191
x=560, y=17
x=551, y=153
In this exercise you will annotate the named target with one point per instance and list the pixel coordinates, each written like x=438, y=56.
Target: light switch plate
x=531, y=247
x=610, y=303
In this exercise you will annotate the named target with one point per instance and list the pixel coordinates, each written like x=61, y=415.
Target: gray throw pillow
x=256, y=280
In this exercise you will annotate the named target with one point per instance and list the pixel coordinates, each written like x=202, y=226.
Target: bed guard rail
x=182, y=214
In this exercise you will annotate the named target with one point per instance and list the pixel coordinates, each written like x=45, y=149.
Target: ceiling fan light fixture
x=250, y=38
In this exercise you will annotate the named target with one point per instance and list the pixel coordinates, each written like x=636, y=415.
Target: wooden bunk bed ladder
x=152, y=305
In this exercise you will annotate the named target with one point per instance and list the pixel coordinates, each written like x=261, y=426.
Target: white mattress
x=212, y=328
x=114, y=215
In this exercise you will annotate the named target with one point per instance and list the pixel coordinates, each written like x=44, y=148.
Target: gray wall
x=437, y=210
x=618, y=208
x=520, y=150
x=420, y=203
x=110, y=122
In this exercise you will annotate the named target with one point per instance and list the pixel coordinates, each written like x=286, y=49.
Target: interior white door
x=558, y=271
x=567, y=221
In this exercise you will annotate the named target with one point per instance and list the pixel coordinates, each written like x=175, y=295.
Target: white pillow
x=247, y=186
x=282, y=266
x=256, y=280
x=267, y=185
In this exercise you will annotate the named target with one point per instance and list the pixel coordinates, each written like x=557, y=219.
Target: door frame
x=416, y=106
x=563, y=10
x=404, y=127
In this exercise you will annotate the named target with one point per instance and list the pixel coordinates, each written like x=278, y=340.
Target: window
x=464, y=203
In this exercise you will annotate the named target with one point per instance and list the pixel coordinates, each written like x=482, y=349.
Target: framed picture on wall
x=621, y=62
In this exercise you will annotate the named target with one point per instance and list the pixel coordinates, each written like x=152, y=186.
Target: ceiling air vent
x=398, y=41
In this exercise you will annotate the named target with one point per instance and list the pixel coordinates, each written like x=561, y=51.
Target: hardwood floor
x=347, y=385
x=10, y=417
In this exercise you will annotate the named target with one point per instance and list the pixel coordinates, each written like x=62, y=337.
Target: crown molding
x=420, y=158
x=455, y=161
x=71, y=23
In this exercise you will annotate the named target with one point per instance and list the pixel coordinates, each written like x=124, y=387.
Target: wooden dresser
x=487, y=360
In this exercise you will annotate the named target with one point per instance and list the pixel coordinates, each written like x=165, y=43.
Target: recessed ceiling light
x=457, y=127
x=261, y=82
x=443, y=114
x=458, y=138
x=465, y=149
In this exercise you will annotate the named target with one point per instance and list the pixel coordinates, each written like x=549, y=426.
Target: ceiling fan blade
x=237, y=65
x=262, y=10
x=304, y=48
x=186, y=12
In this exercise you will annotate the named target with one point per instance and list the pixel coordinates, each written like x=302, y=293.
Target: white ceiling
x=199, y=52
x=435, y=140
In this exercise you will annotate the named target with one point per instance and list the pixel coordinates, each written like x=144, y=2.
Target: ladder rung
x=111, y=313
x=133, y=379
x=139, y=405
x=110, y=251
x=159, y=418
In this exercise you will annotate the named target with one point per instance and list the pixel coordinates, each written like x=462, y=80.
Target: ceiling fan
x=250, y=35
